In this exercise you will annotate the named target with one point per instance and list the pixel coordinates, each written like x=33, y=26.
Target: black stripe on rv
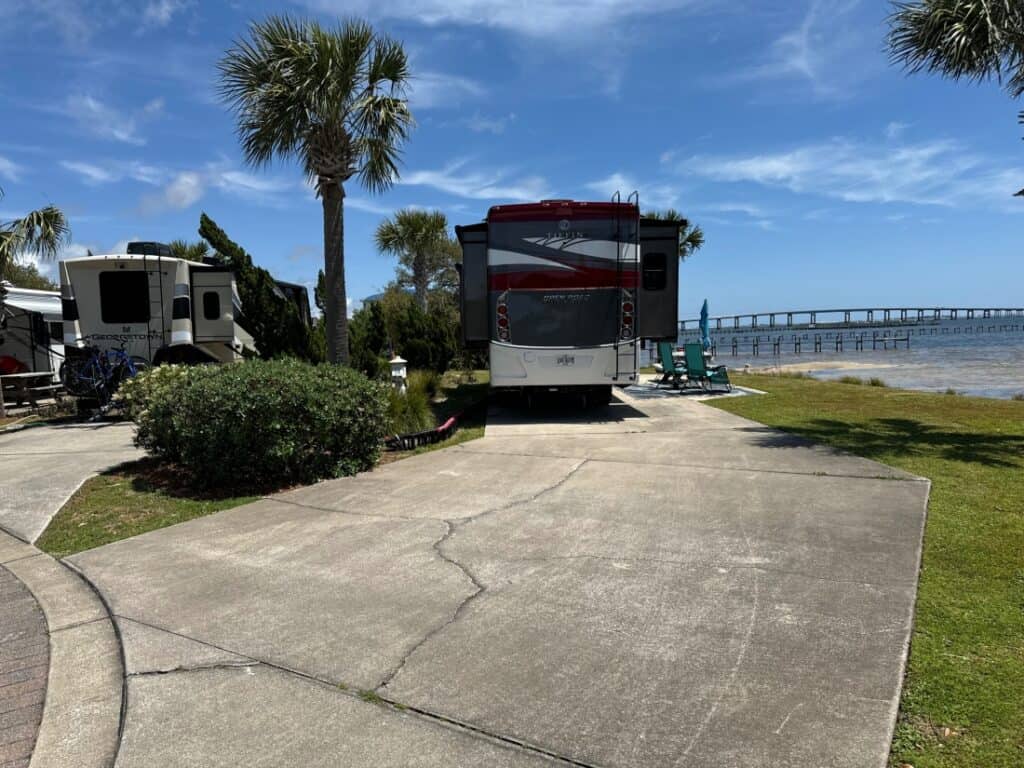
x=182, y=308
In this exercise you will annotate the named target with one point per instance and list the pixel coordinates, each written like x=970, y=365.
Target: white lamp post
x=398, y=373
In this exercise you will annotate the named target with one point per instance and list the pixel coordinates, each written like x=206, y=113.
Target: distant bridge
x=802, y=319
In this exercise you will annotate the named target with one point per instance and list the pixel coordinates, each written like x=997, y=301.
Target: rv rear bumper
x=515, y=366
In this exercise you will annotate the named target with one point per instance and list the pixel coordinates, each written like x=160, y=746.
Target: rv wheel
x=599, y=397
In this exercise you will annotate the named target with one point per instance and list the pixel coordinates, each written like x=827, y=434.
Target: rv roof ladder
x=634, y=198
x=156, y=306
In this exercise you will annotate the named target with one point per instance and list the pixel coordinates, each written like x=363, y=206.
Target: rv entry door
x=213, y=308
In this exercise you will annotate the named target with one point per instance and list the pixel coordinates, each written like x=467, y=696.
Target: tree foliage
x=691, y=236
x=396, y=324
x=332, y=98
x=182, y=249
x=274, y=321
x=44, y=232
x=26, y=276
x=426, y=252
x=970, y=39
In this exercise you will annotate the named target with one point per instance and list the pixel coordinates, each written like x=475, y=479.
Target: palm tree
x=44, y=231
x=182, y=249
x=333, y=98
x=691, y=236
x=423, y=246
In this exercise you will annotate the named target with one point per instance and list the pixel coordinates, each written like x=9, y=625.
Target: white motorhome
x=561, y=292
x=154, y=306
x=30, y=328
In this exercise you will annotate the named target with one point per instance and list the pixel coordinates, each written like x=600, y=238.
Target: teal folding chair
x=697, y=369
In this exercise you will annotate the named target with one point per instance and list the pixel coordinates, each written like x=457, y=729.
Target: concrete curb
x=82, y=714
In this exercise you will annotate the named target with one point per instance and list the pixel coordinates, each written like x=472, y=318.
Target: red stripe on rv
x=539, y=280
x=562, y=209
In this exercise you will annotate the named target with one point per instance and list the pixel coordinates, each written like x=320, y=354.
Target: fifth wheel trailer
x=561, y=291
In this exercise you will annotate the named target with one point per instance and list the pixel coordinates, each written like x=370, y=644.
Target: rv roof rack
x=148, y=249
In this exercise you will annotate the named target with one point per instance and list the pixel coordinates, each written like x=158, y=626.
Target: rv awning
x=46, y=303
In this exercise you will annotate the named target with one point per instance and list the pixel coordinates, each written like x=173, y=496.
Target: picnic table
x=26, y=386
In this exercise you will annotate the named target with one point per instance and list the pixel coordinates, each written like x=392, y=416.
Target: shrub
x=263, y=423
x=429, y=382
x=1017, y=396
x=951, y=391
x=409, y=412
x=874, y=381
x=850, y=380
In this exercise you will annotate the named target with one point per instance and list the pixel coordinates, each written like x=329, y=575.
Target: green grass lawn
x=125, y=501
x=963, y=699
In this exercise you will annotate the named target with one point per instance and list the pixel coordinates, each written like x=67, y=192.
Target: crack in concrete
x=478, y=587
x=196, y=668
x=434, y=718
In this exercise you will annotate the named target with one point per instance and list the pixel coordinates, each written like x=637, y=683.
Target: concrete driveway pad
x=656, y=584
x=42, y=466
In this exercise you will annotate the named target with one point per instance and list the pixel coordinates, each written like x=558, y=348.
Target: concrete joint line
x=371, y=515
x=474, y=730
x=78, y=624
x=697, y=564
x=712, y=467
x=478, y=587
x=123, y=713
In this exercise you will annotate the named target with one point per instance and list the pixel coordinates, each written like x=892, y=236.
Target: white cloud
x=184, y=190
x=456, y=179
x=100, y=172
x=9, y=169
x=817, y=52
x=895, y=130
x=160, y=12
x=91, y=174
x=368, y=206
x=940, y=172
x=495, y=125
x=651, y=195
x=537, y=18
x=103, y=120
x=429, y=90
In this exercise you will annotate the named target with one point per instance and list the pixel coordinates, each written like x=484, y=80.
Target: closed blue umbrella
x=705, y=326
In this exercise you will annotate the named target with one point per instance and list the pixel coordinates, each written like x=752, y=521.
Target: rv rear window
x=124, y=297
x=211, y=305
x=654, y=272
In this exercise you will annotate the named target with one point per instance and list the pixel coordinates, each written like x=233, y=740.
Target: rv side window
x=654, y=271
x=211, y=305
x=124, y=297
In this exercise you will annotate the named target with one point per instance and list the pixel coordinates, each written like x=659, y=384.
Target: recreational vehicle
x=154, y=306
x=561, y=292
x=30, y=329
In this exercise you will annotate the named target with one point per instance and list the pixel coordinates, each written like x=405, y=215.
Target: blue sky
x=821, y=174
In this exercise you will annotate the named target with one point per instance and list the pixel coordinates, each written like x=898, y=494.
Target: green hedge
x=260, y=423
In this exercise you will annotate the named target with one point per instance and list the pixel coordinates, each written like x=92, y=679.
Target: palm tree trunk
x=420, y=280
x=336, y=316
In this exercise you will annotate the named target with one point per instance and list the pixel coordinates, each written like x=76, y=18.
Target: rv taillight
x=627, y=307
x=627, y=320
x=502, y=321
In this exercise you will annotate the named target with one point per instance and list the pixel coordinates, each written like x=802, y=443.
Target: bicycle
x=98, y=374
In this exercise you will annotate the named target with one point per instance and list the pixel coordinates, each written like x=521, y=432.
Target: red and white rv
x=562, y=291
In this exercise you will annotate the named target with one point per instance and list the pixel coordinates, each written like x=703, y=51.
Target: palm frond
x=961, y=39
x=333, y=97
x=44, y=231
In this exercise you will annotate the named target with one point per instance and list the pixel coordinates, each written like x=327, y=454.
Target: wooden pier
x=851, y=318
